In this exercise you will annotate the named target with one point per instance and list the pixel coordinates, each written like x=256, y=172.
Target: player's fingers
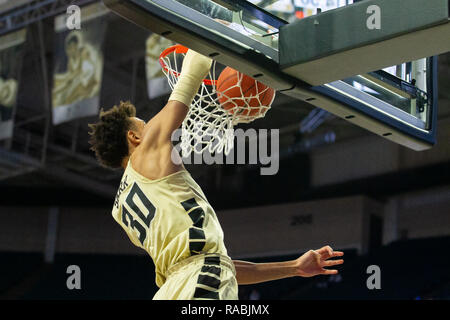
x=329, y=272
x=330, y=263
x=337, y=254
x=326, y=250
x=329, y=252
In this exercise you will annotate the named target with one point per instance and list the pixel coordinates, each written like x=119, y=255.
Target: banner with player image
x=78, y=69
x=11, y=53
x=157, y=84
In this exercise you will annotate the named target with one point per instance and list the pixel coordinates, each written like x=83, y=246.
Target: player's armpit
x=158, y=131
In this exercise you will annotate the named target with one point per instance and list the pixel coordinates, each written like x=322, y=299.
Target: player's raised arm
x=159, y=129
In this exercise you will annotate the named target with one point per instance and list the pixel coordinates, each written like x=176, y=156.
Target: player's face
x=72, y=49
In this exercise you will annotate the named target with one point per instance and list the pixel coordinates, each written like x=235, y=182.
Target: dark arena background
x=386, y=206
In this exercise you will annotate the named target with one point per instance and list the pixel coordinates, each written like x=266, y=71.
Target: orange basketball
x=236, y=91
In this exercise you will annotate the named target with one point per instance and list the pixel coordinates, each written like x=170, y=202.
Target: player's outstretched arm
x=310, y=264
x=160, y=128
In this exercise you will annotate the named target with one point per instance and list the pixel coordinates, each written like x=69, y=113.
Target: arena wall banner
x=78, y=67
x=11, y=53
x=157, y=84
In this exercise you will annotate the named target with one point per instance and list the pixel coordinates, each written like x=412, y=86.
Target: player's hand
x=196, y=65
x=314, y=262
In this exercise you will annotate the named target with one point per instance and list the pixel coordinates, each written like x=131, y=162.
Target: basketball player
x=164, y=211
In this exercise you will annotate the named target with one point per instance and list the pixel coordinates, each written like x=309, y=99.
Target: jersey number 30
x=142, y=223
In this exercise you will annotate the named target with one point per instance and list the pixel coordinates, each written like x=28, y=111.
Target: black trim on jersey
x=195, y=233
x=197, y=216
x=196, y=246
x=214, y=260
x=208, y=281
x=211, y=269
x=205, y=294
x=189, y=204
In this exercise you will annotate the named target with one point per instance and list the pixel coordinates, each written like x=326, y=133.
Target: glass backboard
x=397, y=102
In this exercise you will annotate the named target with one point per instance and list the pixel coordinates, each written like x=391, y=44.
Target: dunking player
x=165, y=212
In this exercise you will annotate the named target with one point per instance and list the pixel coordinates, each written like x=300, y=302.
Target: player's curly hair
x=109, y=135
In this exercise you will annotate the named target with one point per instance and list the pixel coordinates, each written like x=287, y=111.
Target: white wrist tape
x=194, y=70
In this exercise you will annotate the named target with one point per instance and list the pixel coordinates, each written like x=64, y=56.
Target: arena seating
x=102, y=277
x=410, y=269
x=16, y=267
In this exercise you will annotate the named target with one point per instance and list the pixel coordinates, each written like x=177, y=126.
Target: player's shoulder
x=154, y=163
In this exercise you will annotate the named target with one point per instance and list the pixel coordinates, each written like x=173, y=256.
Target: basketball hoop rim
x=178, y=49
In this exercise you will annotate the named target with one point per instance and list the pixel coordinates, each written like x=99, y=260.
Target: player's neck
x=125, y=161
x=131, y=149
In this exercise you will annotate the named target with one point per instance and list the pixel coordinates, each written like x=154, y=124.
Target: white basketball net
x=207, y=125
